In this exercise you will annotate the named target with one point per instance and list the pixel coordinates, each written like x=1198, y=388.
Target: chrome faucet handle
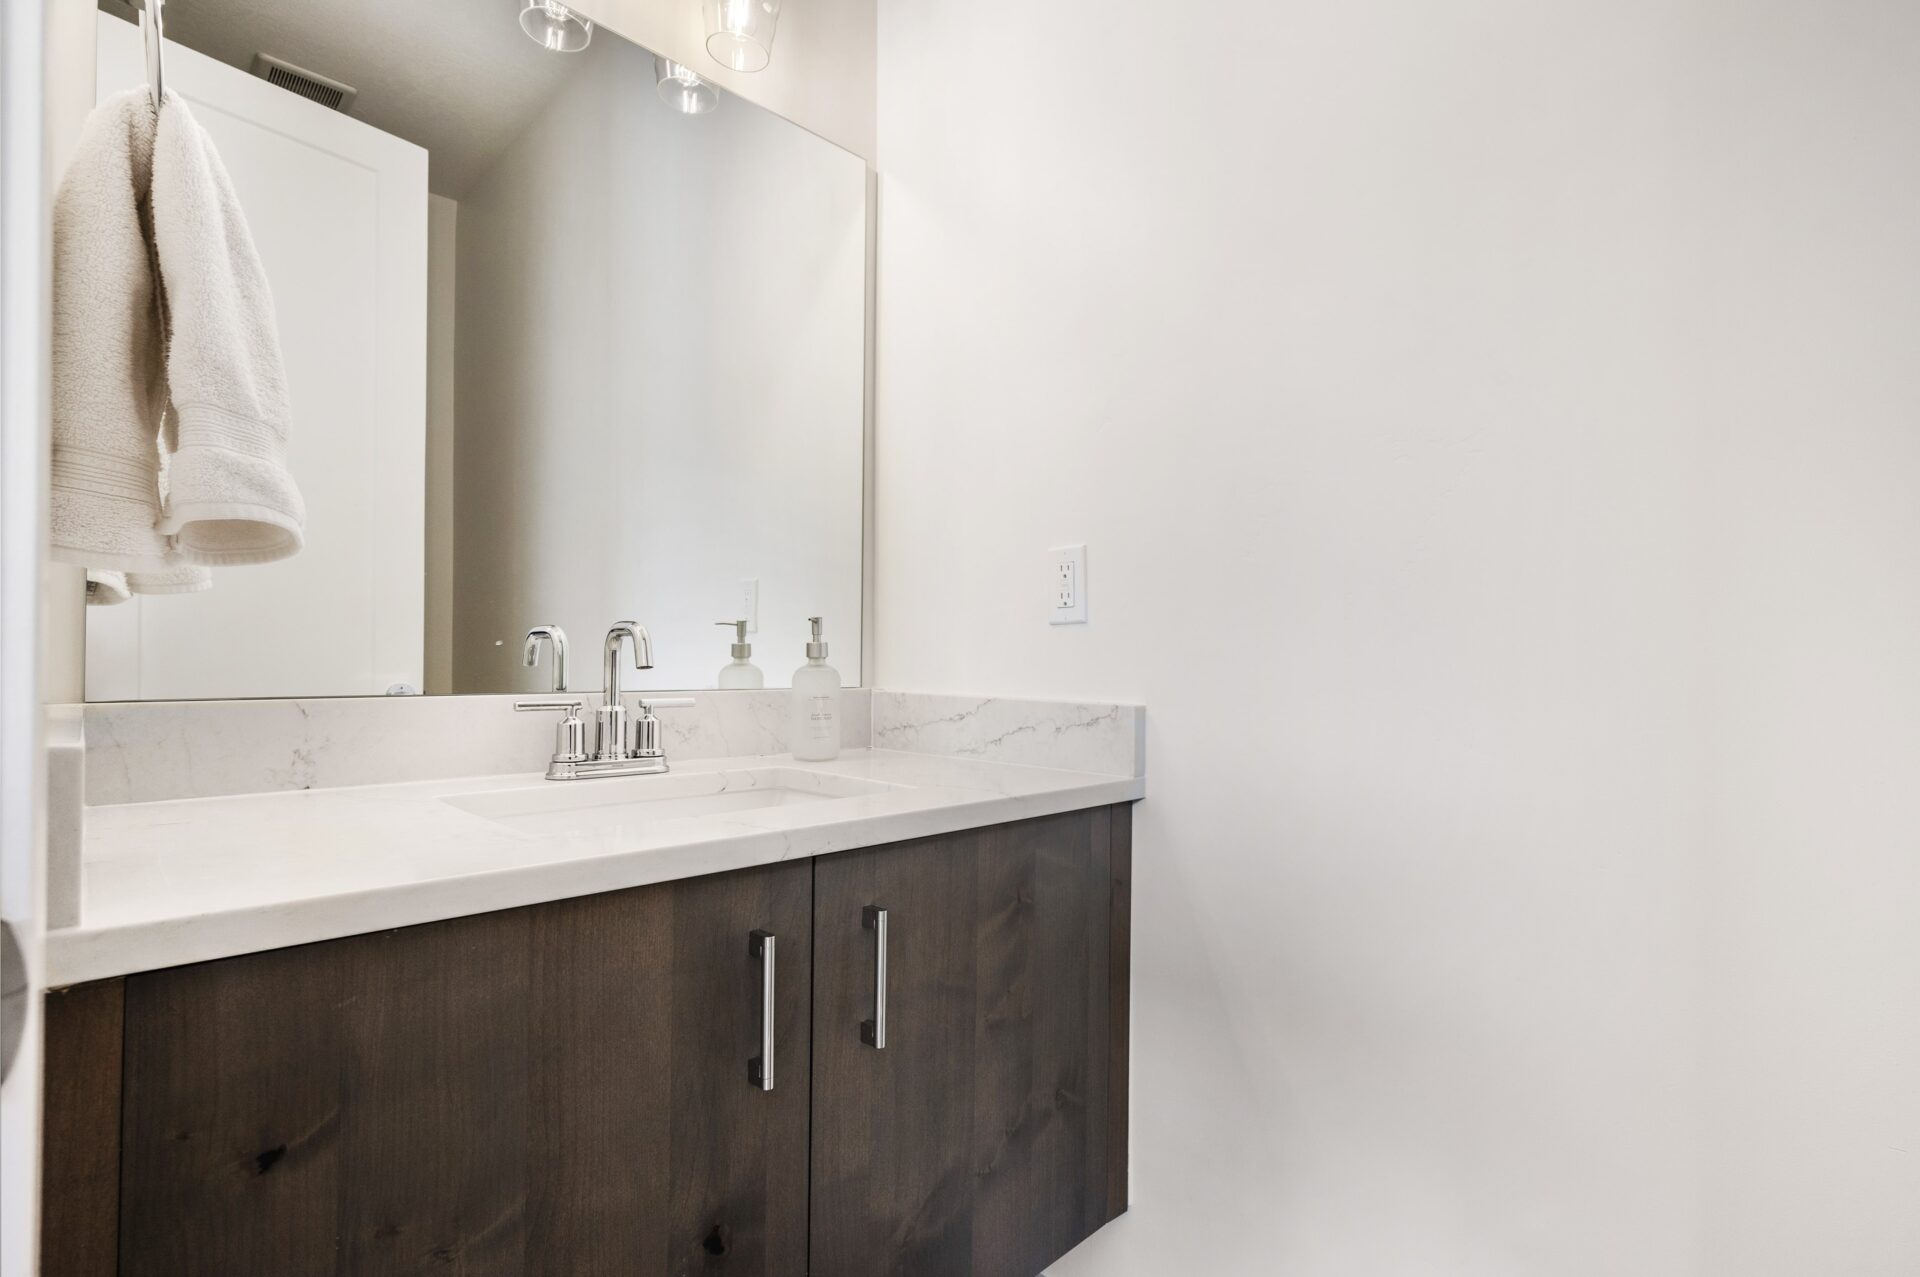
x=646, y=728
x=570, y=741
x=553, y=634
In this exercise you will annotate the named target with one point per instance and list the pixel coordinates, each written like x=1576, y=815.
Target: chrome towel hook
x=153, y=33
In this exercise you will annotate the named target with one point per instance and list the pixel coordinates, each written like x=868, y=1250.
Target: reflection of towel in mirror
x=106, y=587
x=230, y=498
x=109, y=393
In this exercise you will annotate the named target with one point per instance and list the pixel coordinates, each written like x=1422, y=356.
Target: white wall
x=661, y=377
x=1493, y=425
x=1805, y=269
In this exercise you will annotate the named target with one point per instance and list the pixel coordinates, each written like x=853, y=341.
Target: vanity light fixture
x=740, y=32
x=682, y=90
x=554, y=26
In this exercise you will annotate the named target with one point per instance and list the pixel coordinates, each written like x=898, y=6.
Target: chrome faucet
x=556, y=636
x=612, y=744
x=614, y=754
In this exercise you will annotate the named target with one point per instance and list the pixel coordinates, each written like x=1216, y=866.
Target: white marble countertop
x=188, y=880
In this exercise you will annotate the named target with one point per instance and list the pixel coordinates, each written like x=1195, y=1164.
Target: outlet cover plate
x=1067, y=585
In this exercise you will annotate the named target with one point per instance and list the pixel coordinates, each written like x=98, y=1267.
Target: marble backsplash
x=1083, y=737
x=142, y=751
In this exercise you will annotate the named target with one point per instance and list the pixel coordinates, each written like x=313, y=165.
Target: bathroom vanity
x=861, y=1017
x=356, y=970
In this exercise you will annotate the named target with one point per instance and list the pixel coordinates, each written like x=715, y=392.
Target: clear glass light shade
x=740, y=32
x=682, y=90
x=555, y=26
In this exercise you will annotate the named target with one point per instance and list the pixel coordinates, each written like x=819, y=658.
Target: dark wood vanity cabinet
x=988, y=1135
x=560, y=1089
x=575, y=1088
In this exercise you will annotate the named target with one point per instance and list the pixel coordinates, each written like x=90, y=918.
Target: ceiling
x=454, y=76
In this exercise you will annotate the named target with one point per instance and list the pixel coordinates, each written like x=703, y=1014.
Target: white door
x=339, y=213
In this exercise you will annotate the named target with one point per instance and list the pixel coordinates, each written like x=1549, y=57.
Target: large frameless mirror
x=571, y=336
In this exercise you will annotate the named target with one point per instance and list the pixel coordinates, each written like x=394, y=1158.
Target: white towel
x=230, y=498
x=109, y=394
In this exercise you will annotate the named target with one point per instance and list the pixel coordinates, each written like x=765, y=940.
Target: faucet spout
x=635, y=633
x=558, y=638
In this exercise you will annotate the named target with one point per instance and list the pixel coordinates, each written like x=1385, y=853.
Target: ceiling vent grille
x=310, y=85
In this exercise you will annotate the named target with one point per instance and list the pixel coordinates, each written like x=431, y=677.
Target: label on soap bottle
x=820, y=717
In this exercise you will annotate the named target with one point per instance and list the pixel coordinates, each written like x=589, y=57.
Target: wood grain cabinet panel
x=557, y=1089
x=979, y=1141
x=80, y=1168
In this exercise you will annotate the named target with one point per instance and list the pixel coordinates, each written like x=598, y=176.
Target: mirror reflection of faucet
x=556, y=636
x=617, y=750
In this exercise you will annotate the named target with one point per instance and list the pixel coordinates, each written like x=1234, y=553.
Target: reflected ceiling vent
x=310, y=85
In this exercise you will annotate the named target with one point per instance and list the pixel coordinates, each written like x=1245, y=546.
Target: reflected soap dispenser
x=740, y=672
x=813, y=728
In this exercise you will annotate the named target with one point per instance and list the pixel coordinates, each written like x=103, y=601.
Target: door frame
x=24, y=375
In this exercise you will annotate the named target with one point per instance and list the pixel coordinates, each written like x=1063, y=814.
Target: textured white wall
x=1493, y=425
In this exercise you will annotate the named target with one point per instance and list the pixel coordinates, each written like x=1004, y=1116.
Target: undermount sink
x=628, y=803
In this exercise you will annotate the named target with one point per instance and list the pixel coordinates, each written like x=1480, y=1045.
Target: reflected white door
x=339, y=212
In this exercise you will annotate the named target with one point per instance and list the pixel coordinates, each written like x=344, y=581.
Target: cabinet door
x=980, y=1141
x=656, y=1151
x=557, y=1089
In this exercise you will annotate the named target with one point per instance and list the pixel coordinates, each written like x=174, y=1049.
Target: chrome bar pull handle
x=760, y=1069
x=874, y=1032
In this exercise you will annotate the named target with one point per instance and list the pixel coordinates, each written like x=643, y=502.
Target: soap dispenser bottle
x=740, y=672
x=813, y=731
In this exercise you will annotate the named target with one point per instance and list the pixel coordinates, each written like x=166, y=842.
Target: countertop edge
x=81, y=955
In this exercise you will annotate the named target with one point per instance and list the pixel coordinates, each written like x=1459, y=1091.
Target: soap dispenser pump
x=740, y=672
x=813, y=729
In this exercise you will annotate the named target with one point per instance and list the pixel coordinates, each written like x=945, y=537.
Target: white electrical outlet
x=1067, y=585
x=750, y=603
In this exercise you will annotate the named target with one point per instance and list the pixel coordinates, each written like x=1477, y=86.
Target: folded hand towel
x=108, y=389
x=229, y=496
